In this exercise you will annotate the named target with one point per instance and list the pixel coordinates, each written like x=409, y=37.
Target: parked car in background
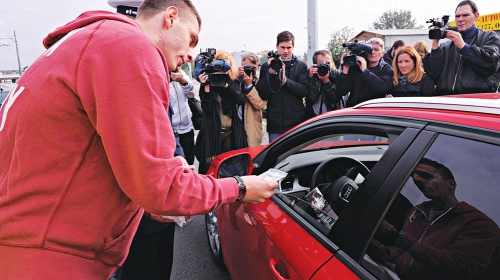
x=390, y=189
x=4, y=92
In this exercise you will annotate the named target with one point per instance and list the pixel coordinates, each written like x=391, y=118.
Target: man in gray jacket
x=469, y=61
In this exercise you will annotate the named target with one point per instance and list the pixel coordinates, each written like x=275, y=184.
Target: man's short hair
x=440, y=168
x=253, y=58
x=320, y=52
x=285, y=36
x=150, y=8
x=376, y=41
x=471, y=3
x=397, y=44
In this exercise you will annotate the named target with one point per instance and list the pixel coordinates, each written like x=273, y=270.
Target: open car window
x=443, y=224
x=324, y=173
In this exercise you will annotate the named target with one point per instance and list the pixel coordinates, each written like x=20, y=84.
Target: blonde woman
x=220, y=105
x=410, y=78
x=422, y=49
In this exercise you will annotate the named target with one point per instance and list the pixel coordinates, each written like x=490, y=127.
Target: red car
x=394, y=188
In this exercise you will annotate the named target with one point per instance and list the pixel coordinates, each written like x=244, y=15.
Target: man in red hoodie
x=87, y=143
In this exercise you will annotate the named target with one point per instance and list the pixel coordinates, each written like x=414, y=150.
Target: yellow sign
x=486, y=22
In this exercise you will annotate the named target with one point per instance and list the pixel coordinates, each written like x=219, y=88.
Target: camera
x=276, y=63
x=249, y=70
x=215, y=69
x=356, y=49
x=323, y=69
x=438, y=27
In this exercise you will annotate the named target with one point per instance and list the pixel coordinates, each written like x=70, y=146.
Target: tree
x=337, y=39
x=401, y=19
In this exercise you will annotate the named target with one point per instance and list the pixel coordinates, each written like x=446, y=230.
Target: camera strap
x=269, y=82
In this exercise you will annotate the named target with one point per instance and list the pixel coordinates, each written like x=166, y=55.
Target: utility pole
x=18, y=59
x=312, y=29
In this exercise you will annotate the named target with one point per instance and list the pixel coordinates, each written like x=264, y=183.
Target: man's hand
x=313, y=70
x=184, y=162
x=160, y=218
x=456, y=37
x=177, y=76
x=345, y=69
x=361, y=63
x=258, y=189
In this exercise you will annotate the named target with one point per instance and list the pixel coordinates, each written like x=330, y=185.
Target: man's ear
x=451, y=184
x=171, y=16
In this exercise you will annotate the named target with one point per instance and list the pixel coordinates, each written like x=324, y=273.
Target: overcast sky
x=231, y=25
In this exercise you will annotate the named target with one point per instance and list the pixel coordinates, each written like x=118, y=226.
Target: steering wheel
x=339, y=192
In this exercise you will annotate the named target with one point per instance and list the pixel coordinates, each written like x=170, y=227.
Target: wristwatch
x=242, y=188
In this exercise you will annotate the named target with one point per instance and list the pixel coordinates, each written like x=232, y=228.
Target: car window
x=324, y=173
x=346, y=139
x=443, y=224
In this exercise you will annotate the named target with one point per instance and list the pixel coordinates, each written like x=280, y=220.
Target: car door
x=278, y=240
x=452, y=233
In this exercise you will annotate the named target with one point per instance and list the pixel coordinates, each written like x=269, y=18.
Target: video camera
x=438, y=27
x=276, y=63
x=356, y=49
x=215, y=69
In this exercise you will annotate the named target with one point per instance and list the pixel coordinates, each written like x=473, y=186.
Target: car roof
x=473, y=110
x=488, y=103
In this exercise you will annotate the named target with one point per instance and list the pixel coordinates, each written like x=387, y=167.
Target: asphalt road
x=192, y=258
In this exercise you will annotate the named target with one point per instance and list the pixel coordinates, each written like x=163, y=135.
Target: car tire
x=212, y=226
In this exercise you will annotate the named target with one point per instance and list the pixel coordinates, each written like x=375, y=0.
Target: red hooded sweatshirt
x=86, y=142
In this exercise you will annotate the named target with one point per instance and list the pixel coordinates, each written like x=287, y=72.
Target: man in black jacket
x=371, y=78
x=283, y=87
x=322, y=78
x=469, y=61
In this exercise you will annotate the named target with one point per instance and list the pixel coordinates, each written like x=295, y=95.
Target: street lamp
x=17, y=51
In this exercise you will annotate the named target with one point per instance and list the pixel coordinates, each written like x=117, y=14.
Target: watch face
x=241, y=193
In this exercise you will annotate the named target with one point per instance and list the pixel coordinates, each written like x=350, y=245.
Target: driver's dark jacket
x=372, y=83
x=325, y=91
x=285, y=105
x=461, y=243
x=477, y=71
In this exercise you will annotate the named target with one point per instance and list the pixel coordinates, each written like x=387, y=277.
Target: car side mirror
x=238, y=165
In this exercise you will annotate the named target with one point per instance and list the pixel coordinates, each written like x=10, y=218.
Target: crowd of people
x=56, y=167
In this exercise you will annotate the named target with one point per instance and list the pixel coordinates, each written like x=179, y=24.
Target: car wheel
x=214, y=239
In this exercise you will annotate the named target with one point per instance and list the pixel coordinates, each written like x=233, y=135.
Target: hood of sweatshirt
x=82, y=20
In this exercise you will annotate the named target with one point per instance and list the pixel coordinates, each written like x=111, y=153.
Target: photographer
x=220, y=107
x=283, y=85
x=252, y=110
x=469, y=61
x=322, y=78
x=370, y=78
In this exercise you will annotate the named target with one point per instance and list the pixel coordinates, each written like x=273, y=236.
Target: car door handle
x=277, y=275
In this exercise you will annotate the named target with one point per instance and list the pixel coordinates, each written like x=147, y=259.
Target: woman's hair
x=233, y=72
x=416, y=73
x=421, y=46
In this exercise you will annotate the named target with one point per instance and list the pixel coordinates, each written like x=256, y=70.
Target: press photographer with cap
x=87, y=145
x=469, y=62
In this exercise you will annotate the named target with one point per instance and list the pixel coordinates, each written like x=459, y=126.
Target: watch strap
x=242, y=188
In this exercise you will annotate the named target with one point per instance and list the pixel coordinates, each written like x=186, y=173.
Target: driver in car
x=442, y=238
